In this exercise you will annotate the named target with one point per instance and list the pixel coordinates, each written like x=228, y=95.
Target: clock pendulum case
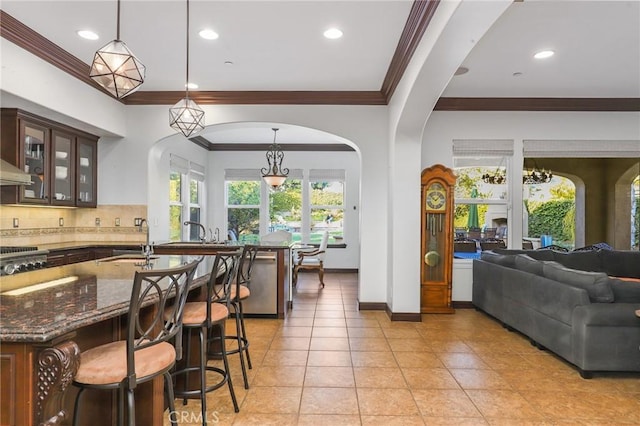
x=436, y=270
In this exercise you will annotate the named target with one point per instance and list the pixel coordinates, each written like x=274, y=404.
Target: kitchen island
x=49, y=315
x=271, y=293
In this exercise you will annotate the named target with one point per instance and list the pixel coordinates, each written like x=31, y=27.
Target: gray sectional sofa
x=579, y=305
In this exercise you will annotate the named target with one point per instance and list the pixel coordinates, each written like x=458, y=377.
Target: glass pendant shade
x=116, y=69
x=186, y=116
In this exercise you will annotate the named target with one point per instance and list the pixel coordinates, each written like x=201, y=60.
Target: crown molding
x=258, y=97
x=288, y=147
x=539, y=104
x=419, y=18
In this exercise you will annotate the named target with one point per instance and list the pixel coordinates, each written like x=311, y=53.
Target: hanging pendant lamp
x=274, y=174
x=186, y=116
x=116, y=69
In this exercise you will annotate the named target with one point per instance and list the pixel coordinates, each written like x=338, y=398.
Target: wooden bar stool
x=208, y=317
x=146, y=353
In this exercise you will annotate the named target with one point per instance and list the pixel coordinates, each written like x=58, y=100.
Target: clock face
x=436, y=197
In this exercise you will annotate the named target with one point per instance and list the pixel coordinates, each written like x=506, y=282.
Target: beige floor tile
x=418, y=359
x=503, y=404
x=369, y=344
x=329, y=314
x=459, y=421
x=272, y=400
x=479, y=379
x=301, y=313
x=279, y=375
x=329, y=322
x=330, y=332
x=290, y=343
x=255, y=419
x=401, y=333
x=295, y=332
x=409, y=345
x=379, y=377
x=329, y=401
x=329, y=359
x=329, y=344
x=373, y=359
x=392, y=420
x=505, y=361
x=461, y=360
x=386, y=402
x=273, y=357
x=298, y=322
x=365, y=332
x=362, y=322
x=329, y=377
x=331, y=419
x=453, y=346
x=429, y=378
x=452, y=403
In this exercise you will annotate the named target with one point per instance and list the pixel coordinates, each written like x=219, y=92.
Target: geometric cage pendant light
x=116, y=69
x=186, y=116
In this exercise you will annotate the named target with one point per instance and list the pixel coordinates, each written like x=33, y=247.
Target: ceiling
x=279, y=46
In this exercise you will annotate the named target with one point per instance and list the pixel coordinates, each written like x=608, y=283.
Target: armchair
x=311, y=259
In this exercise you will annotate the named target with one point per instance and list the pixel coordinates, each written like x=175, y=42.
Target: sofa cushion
x=582, y=260
x=621, y=263
x=595, y=283
x=540, y=254
x=625, y=290
x=507, y=260
x=526, y=263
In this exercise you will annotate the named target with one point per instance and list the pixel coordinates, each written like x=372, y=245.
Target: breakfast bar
x=48, y=316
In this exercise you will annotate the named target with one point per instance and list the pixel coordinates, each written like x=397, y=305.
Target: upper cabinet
x=60, y=160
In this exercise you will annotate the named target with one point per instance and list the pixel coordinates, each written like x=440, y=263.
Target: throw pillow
x=595, y=283
x=528, y=264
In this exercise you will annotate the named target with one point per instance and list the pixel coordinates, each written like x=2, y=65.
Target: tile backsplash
x=47, y=225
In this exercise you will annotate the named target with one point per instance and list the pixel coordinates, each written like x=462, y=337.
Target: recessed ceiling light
x=87, y=34
x=333, y=33
x=228, y=63
x=517, y=74
x=461, y=70
x=208, y=34
x=191, y=86
x=543, y=54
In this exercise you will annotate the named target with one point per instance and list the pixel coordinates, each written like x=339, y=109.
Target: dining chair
x=311, y=259
x=146, y=352
x=208, y=318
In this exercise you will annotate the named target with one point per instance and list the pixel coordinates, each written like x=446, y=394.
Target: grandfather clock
x=436, y=259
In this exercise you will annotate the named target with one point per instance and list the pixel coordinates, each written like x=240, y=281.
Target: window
x=326, y=205
x=481, y=191
x=635, y=214
x=285, y=206
x=303, y=206
x=186, y=188
x=243, y=209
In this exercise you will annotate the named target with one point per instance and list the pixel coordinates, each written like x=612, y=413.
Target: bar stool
x=239, y=292
x=146, y=353
x=207, y=317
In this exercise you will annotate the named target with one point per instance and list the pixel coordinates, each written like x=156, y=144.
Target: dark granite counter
x=47, y=303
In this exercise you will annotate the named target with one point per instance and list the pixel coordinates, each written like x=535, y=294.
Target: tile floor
x=330, y=364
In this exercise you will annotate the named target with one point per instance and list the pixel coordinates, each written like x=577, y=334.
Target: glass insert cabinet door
x=63, y=168
x=86, y=172
x=35, y=151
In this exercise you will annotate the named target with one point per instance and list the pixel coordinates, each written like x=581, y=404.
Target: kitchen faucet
x=203, y=234
x=147, y=250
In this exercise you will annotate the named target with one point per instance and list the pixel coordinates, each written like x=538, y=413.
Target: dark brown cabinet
x=61, y=161
x=61, y=257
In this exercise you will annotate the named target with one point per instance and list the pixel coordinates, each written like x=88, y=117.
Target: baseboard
x=372, y=306
x=462, y=305
x=403, y=316
x=330, y=270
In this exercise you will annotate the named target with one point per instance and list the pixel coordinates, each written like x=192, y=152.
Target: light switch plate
x=117, y=221
x=97, y=221
x=16, y=222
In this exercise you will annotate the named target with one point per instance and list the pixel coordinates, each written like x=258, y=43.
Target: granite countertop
x=227, y=244
x=87, y=244
x=78, y=295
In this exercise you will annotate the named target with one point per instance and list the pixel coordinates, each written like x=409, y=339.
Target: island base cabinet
x=23, y=381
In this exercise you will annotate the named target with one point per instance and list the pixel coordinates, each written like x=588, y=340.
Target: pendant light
x=186, y=116
x=116, y=69
x=274, y=174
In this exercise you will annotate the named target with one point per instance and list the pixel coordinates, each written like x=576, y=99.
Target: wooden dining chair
x=311, y=260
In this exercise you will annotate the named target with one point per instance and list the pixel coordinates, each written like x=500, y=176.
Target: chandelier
x=186, y=116
x=496, y=178
x=536, y=176
x=274, y=174
x=115, y=68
